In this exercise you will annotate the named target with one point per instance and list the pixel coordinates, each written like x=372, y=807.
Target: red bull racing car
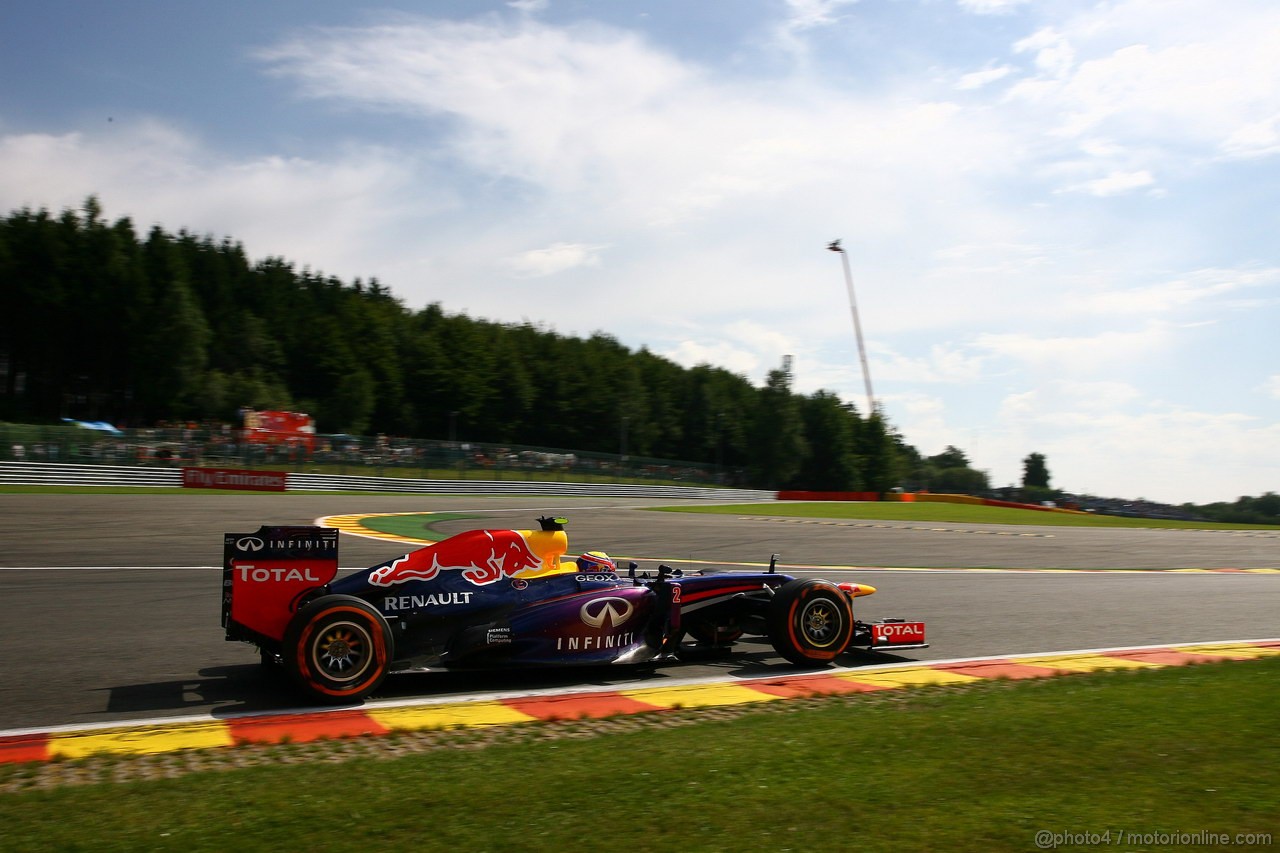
x=505, y=598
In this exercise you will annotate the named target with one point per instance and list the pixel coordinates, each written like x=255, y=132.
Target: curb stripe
x=805, y=686
x=15, y=750
x=1001, y=669
x=698, y=695
x=300, y=727
x=592, y=705
x=304, y=728
x=1085, y=663
x=914, y=677
x=142, y=741
x=463, y=715
x=1238, y=652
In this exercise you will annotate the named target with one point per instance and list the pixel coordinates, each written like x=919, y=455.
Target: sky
x=1061, y=218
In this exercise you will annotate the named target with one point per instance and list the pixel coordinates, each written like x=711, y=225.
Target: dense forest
x=102, y=324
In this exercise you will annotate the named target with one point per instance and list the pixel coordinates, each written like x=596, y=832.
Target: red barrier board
x=233, y=478
x=794, y=495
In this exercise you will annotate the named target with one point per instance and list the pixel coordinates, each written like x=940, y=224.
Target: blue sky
x=1061, y=217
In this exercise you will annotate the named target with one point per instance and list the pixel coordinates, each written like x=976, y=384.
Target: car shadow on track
x=248, y=688
x=766, y=663
x=253, y=688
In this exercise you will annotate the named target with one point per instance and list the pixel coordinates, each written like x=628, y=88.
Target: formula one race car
x=504, y=598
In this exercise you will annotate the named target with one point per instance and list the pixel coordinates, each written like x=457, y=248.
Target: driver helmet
x=596, y=562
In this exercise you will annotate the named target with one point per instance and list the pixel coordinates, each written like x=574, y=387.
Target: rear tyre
x=337, y=649
x=810, y=621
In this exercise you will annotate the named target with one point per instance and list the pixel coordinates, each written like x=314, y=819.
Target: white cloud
x=738, y=350
x=1255, y=139
x=991, y=7
x=555, y=258
x=1096, y=395
x=743, y=346
x=925, y=416
x=326, y=214
x=942, y=363
x=1074, y=354
x=1161, y=75
x=730, y=356
x=1051, y=50
x=978, y=79
x=636, y=134
x=1101, y=440
x=552, y=106
x=1194, y=287
x=1116, y=183
x=807, y=14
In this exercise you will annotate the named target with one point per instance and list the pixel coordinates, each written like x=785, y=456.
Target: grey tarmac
x=112, y=601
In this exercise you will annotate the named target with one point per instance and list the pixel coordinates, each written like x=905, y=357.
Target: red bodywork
x=484, y=556
x=266, y=572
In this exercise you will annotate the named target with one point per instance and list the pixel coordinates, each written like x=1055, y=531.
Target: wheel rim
x=342, y=651
x=820, y=622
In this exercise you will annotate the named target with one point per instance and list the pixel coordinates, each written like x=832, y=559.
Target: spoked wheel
x=810, y=621
x=338, y=648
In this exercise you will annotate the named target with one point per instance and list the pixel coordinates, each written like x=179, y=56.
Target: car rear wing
x=265, y=573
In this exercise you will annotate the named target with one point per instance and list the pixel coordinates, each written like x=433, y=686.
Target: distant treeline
x=100, y=324
x=1264, y=509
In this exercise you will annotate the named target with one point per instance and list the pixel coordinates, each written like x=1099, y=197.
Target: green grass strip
x=948, y=513
x=982, y=767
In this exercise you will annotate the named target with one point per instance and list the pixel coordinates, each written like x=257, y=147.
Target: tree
x=831, y=464
x=960, y=481
x=952, y=457
x=878, y=446
x=1035, y=474
x=101, y=325
x=778, y=441
x=171, y=372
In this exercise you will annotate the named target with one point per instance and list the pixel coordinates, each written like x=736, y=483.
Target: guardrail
x=59, y=474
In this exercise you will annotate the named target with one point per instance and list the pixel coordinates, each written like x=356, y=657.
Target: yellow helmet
x=596, y=562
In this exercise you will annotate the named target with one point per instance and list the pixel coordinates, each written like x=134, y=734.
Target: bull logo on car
x=483, y=557
x=606, y=612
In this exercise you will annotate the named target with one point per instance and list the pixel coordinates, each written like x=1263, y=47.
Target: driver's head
x=596, y=562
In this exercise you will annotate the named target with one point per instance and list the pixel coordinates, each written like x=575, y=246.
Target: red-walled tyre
x=337, y=649
x=810, y=621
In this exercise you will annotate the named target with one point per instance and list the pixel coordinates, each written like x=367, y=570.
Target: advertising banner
x=233, y=478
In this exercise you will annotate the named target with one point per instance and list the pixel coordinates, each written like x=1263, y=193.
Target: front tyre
x=337, y=649
x=810, y=621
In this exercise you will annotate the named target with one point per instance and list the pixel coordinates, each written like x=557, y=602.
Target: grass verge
x=948, y=513
x=980, y=767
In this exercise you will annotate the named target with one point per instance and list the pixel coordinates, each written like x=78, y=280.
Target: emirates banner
x=233, y=478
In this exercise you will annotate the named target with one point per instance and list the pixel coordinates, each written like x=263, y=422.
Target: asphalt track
x=111, y=602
